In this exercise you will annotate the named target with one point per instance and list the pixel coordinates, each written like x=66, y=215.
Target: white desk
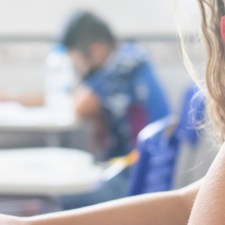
x=47, y=172
x=17, y=118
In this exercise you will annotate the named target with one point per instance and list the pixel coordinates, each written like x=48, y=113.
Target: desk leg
x=53, y=139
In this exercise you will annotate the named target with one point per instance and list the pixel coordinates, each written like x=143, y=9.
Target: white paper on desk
x=15, y=114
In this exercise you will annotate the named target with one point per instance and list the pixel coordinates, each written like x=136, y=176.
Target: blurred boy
x=120, y=91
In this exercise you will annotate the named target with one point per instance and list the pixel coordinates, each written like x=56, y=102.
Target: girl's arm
x=157, y=209
x=209, y=208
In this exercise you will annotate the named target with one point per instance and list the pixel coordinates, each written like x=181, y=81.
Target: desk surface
x=14, y=117
x=47, y=171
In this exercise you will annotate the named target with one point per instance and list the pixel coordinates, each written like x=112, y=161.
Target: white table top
x=47, y=171
x=14, y=117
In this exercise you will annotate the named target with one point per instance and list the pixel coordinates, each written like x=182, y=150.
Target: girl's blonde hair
x=212, y=11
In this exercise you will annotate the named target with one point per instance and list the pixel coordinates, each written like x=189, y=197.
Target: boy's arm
x=86, y=102
x=33, y=100
x=172, y=207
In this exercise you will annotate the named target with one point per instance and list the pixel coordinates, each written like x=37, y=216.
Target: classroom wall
x=125, y=16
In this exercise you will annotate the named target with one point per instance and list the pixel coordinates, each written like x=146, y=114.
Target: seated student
x=120, y=90
x=200, y=203
x=119, y=93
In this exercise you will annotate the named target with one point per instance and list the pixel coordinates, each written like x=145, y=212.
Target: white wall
x=126, y=16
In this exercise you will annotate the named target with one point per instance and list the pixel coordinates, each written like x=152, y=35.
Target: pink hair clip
x=222, y=27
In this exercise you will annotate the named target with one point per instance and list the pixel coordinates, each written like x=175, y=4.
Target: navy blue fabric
x=127, y=80
x=154, y=170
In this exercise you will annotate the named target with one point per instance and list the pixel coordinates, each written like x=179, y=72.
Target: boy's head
x=89, y=41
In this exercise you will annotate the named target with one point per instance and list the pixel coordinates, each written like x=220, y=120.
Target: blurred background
x=28, y=30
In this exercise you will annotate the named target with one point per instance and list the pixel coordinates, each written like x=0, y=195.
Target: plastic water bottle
x=59, y=85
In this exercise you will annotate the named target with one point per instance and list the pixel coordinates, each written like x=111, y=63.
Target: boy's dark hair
x=85, y=28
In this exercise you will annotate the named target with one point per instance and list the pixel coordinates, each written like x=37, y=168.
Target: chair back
x=159, y=144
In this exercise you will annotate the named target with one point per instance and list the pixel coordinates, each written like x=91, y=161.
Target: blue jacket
x=130, y=94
